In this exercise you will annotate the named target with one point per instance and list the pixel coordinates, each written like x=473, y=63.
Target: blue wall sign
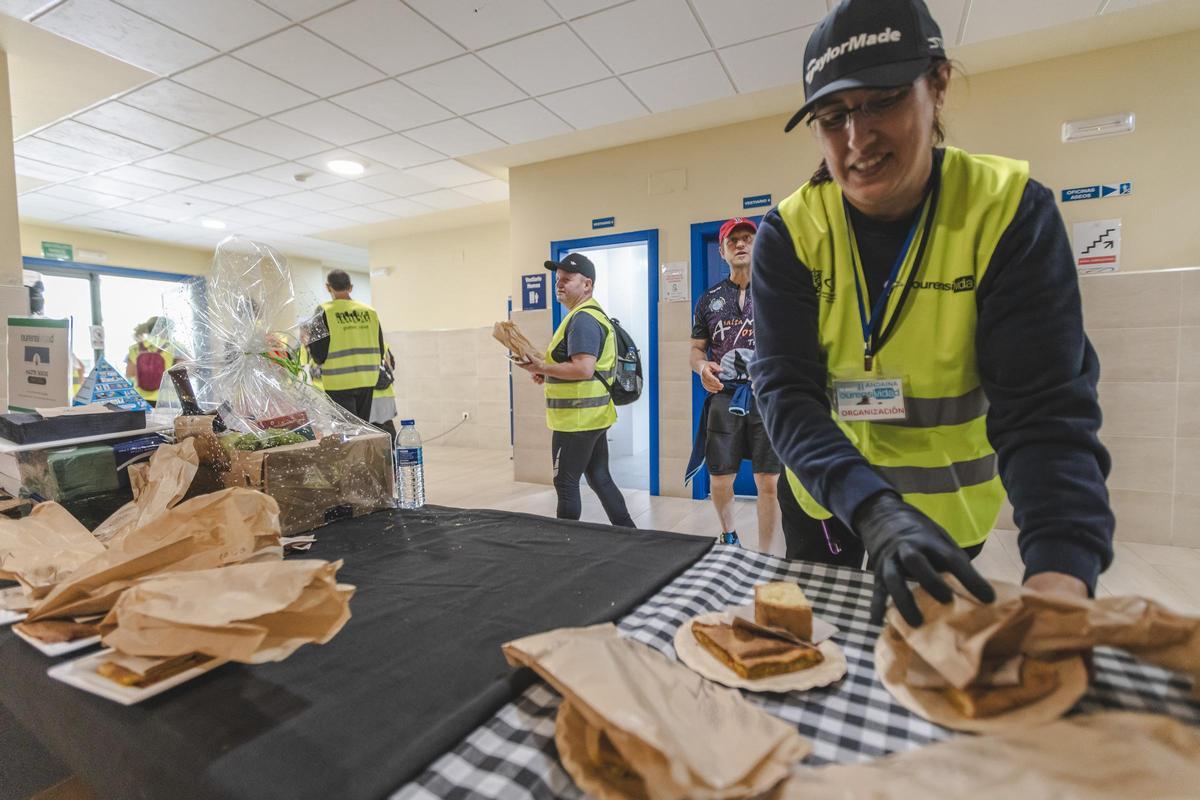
x=533, y=291
x=757, y=201
x=603, y=222
x=1094, y=192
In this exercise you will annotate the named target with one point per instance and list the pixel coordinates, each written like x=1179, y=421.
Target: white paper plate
x=58, y=648
x=81, y=673
x=9, y=617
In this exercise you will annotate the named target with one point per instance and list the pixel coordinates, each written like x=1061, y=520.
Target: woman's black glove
x=903, y=544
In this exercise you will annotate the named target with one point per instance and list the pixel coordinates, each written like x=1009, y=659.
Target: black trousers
x=579, y=453
x=356, y=401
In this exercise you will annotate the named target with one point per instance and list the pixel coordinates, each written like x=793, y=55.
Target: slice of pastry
x=753, y=656
x=141, y=672
x=1038, y=679
x=611, y=764
x=57, y=631
x=783, y=605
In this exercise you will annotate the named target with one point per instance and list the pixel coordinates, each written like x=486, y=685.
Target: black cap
x=868, y=44
x=575, y=262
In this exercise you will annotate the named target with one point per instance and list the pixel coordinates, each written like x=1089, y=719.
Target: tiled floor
x=483, y=479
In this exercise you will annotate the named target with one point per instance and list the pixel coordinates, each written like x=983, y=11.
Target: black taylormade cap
x=575, y=262
x=868, y=44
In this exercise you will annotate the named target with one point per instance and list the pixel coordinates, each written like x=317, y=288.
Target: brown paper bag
x=250, y=613
x=206, y=532
x=170, y=473
x=45, y=547
x=682, y=736
x=1108, y=756
x=508, y=334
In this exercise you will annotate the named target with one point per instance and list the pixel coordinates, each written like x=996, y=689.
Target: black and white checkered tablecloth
x=513, y=755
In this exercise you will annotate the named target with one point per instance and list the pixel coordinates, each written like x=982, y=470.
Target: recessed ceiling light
x=213, y=224
x=344, y=166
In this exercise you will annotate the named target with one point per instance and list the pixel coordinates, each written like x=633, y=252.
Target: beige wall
x=120, y=251
x=447, y=279
x=1016, y=112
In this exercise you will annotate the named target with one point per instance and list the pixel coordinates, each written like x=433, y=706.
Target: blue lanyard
x=872, y=327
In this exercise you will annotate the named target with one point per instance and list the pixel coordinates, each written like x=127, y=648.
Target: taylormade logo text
x=853, y=43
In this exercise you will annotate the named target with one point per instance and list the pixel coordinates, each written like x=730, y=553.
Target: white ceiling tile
x=313, y=176
x=455, y=137
x=147, y=177
x=309, y=62
x=402, y=208
x=22, y=9
x=393, y=105
x=546, y=61
x=331, y=123
x=228, y=154
x=60, y=155
x=105, y=26
x=477, y=24
x=25, y=184
x=172, y=208
x=463, y=85
x=177, y=102
x=386, y=34
x=184, y=167
x=445, y=199
x=686, y=82
x=134, y=123
x=397, y=151
x=992, y=19
x=300, y=9
x=520, y=122
x=729, y=23
x=488, y=192
x=42, y=170
x=365, y=216
x=278, y=208
x=316, y=201
x=219, y=194
x=294, y=226
x=115, y=220
x=948, y=14
x=78, y=194
x=400, y=184
x=223, y=24
x=326, y=221
x=643, y=33
x=447, y=174
x=95, y=141
x=130, y=191
x=255, y=185
x=242, y=216
x=354, y=192
x=36, y=205
x=570, y=9
x=594, y=104
x=230, y=80
x=773, y=61
x=280, y=140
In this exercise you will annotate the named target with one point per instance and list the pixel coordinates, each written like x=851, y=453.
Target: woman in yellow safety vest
x=920, y=338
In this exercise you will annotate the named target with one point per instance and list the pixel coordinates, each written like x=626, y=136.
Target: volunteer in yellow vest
x=350, y=356
x=920, y=343
x=580, y=363
x=147, y=361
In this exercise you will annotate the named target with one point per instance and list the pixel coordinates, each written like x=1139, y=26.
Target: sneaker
x=729, y=538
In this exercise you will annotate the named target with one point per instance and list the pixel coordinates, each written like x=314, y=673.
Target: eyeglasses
x=836, y=119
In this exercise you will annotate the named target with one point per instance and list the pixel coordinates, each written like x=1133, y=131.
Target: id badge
x=870, y=400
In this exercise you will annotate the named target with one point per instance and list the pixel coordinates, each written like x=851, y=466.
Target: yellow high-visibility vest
x=939, y=457
x=353, y=359
x=582, y=405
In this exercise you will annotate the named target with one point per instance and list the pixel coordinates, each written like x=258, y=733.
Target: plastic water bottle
x=410, y=467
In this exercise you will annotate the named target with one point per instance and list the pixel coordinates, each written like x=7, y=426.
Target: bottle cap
x=404, y=422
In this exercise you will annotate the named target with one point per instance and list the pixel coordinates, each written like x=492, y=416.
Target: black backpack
x=626, y=387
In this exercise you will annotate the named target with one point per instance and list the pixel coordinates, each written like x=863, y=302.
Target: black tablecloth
x=416, y=669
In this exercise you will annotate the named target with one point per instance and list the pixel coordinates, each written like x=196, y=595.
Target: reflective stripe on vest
x=353, y=360
x=939, y=457
x=582, y=405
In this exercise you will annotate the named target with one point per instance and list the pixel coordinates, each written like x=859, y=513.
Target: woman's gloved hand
x=903, y=544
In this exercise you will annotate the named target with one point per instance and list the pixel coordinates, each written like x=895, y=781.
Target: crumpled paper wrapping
x=508, y=334
x=159, y=489
x=685, y=737
x=212, y=530
x=1108, y=756
x=43, y=548
x=251, y=613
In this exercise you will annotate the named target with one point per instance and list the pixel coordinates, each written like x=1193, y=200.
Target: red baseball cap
x=736, y=222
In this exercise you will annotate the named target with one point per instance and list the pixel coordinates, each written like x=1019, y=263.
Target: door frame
x=649, y=237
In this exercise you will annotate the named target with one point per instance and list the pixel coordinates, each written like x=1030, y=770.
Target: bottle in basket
x=410, y=469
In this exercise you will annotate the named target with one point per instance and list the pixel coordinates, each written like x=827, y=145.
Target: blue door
x=709, y=268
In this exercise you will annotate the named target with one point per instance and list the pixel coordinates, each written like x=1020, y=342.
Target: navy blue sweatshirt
x=1036, y=365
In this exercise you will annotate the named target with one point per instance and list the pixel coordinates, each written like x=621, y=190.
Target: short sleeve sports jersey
x=728, y=329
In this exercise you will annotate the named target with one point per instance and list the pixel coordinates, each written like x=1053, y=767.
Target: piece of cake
x=1038, y=679
x=141, y=672
x=752, y=656
x=783, y=605
x=58, y=631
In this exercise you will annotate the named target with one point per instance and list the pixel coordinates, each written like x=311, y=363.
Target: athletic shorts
x=732, y=438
